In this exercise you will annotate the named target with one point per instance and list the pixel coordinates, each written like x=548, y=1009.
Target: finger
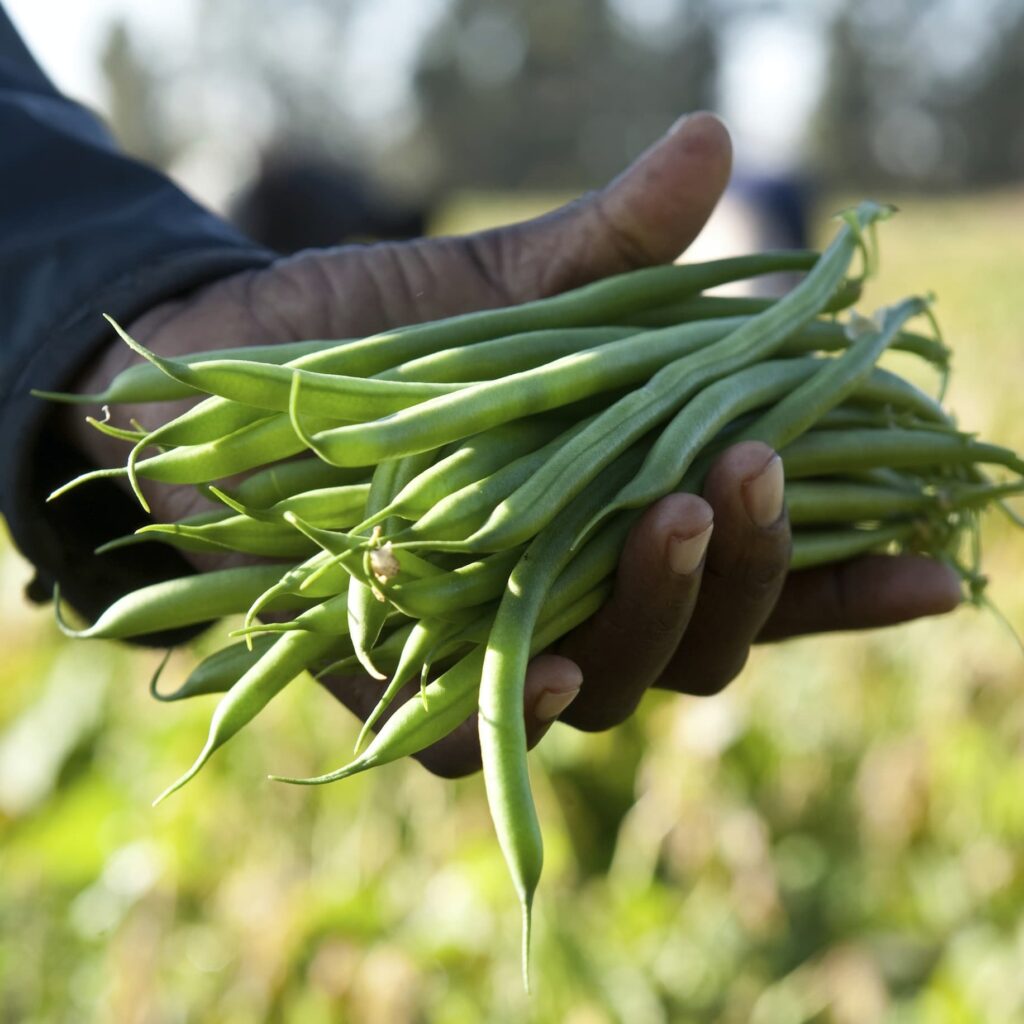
x=746, y=566
x=625, y=647
x=865, y=593
x=551, y=684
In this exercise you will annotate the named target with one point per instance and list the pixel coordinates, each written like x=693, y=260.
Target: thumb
x=649, y=214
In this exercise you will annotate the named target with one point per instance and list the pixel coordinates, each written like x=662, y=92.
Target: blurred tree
x=133, y=103
x=925, y=95
x=533, y=94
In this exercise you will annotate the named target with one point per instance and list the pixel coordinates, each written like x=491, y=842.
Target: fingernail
x=685, y=553
x=763, y=494
x=551, y=703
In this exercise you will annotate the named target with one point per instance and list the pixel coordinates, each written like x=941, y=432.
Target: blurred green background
x=838, y=838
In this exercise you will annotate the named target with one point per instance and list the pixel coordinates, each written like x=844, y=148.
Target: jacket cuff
x=60, y=537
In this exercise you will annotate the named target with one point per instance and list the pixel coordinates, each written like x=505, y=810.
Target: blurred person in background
x=88, y=230
x=304, y=202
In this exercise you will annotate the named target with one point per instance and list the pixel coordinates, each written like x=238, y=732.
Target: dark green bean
x=216, y=673
x=821, y=547
x=833, y=452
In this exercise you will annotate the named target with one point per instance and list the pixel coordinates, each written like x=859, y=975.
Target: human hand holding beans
x=700, y=578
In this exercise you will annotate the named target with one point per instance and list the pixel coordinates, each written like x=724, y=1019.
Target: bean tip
x=527, y=907
x=58, y=614
x=352, y=768
x=154, y=682
x=66, y=398
x=204, y=756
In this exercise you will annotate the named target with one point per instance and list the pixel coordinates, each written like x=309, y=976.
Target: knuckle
x=598, y=717
x=446, y=763
x=714, y=679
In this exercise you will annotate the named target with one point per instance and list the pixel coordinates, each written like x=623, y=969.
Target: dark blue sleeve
x=84, y=230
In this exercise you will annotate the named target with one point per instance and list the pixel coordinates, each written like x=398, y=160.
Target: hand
x=654, y=630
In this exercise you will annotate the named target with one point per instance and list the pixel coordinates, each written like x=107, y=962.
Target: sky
x=772, y=71
x=65, y=35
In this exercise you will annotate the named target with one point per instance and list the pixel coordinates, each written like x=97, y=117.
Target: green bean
x=881, y=477
x=799, y=402
x=215, y=673
x=237, y=533
x=270, y=485
x=266, y=440
x=502, y=356
x=118, y=433
x=425, y=636
x=830, y=452
x=501, y=724
x=255, y=444
x=451, y=592
x=289, y=582
x=386, y=653
x=799, y=411
x=367, y=610
x=145, y=382
x=266, y=386
x=474, y=409
x=706, y=307
x=451, y=699
x=835, y=501
x=473, y=460
x=813, y=548
x=327, y=507
x=855, y=416
x=884, y=388
x=171, y=604
x=596, y=303
x=466, y=508
x=287, y=658
x=329, y=617
x=524, y=513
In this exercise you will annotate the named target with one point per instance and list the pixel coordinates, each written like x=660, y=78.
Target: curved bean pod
x=288, y=657
x=215, y=673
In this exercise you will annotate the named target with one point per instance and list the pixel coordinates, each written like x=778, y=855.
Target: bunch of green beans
x=444, y=500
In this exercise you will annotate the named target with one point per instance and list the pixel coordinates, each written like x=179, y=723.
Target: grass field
x=839, y=837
